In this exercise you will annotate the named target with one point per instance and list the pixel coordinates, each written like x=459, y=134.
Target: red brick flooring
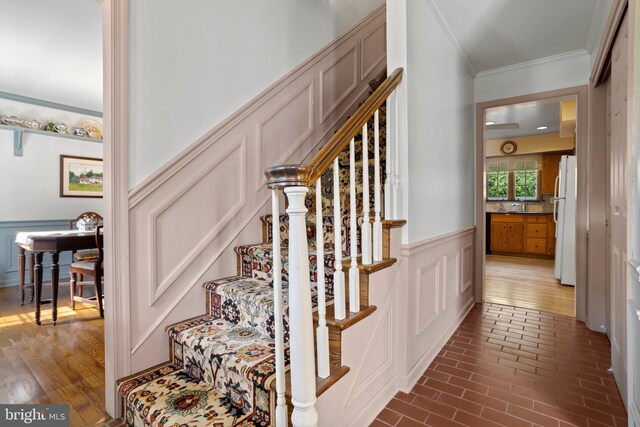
x=514, y=367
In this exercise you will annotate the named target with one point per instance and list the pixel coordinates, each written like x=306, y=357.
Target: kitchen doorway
x=528, y=187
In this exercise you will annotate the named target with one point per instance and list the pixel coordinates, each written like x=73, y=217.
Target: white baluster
x=388, y=190
x=366, y=225
x=377, y=224
x=354, y=274
x=303, y=381
x=397, y=196
x=339, y=300
x=282, y=417
x=322, y=330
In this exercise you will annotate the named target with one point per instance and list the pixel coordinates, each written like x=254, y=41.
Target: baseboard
x=375, y=405
x=408, y=381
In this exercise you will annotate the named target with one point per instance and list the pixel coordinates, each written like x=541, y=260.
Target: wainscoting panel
x=452, y=253
x=467, y=267
x=427, y=299
x=292, y=121
x=338, y=81
x=9, y=250
x=409, y=297
x=452, y=282
x=184, y=218
x=372, y=48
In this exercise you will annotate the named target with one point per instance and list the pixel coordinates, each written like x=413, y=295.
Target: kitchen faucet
x=521, y=204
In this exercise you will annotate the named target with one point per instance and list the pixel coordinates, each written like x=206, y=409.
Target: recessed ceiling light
x=542, y=127
x=490, y=123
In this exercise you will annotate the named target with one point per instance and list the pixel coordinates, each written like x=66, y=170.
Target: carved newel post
x=294, y=179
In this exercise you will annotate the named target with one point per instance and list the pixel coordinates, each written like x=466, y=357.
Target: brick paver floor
x=508, y=366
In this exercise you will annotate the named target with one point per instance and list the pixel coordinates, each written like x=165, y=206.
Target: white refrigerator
x=564, y=214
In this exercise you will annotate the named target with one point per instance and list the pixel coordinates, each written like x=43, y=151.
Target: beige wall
x=532, y=144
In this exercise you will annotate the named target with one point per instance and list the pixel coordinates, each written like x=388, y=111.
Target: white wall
x=597, y=29
x=52, y=50
x=210, y=58
x=440, y=146
x=556, y=72
x=30, y=185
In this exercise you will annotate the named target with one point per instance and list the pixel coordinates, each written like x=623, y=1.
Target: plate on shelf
x=93, y=128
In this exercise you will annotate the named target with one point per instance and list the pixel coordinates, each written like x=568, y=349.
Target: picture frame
x=81, y=176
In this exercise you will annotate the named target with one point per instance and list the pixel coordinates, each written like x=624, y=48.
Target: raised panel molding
x=467, y=267
x=380, y=347
x=337, y=82
x=163, y=285
x=291, y=121
x=427, y=295
x=233, y=174
x=451, y=278
x=373, y=50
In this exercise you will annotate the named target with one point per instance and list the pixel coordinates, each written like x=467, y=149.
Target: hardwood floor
x=527, y=283
x=53, y=364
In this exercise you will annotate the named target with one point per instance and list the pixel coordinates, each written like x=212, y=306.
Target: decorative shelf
x=18, y=131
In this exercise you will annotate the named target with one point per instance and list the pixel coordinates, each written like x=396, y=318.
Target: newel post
x=294, y=179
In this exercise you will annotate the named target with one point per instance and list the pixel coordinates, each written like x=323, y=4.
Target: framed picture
x=80, y=176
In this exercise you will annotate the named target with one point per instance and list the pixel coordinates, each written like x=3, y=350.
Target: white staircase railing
x=295, y=180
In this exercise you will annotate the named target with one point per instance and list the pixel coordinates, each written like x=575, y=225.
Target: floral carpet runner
x=222, y=363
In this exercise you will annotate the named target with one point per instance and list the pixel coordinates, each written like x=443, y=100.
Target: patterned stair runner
x=222, y=363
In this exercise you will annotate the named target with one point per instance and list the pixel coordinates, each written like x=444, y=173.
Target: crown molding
x=540, y=61
x=593, y=35
x=448, y=30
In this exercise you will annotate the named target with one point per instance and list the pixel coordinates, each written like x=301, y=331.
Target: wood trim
x=115, y=17
x=417, y=247
x=582, y=95
x=601, y=66
x=350, y=129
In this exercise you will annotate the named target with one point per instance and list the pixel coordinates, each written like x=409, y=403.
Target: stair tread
x=168, y=396
x=208, y=341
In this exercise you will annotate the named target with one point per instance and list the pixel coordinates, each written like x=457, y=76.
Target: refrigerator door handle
x=555, y=187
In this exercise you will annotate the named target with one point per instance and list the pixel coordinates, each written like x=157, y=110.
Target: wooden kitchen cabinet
x=550, y=167
x=523, y=234
x=507, y=233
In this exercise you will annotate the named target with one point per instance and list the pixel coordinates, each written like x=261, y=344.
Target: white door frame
x=117, y=341
x=581, y=94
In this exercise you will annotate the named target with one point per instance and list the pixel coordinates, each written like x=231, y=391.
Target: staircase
x=250, y=359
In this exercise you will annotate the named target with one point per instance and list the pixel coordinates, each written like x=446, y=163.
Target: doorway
x=530, y=205
x=516, y=189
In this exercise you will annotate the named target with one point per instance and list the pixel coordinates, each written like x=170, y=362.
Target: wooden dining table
x=40, y=242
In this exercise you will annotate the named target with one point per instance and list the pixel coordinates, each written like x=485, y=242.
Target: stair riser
x=257, y=262
x=328, y=231
x=247, y=308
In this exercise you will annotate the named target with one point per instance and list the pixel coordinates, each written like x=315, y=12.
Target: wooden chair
x=86, y=254
x=91, y=268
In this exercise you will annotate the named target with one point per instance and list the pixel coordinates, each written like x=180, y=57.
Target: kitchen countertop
x=520, y=213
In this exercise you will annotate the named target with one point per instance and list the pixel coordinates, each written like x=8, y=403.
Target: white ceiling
x=529, y=116
x=52, y=50
x=498, y=33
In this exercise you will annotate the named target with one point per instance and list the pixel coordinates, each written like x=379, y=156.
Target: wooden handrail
x=340, y=139
x=280, y=176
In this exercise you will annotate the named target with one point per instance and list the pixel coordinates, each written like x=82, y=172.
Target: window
x=525, y=179
x=497, y=181
x=513, y=178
